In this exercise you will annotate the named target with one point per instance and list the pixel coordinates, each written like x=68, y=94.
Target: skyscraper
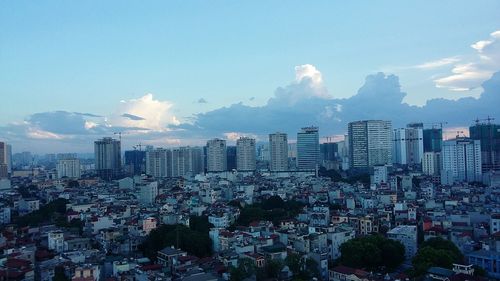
x=158, y=162
x=4, y=160
x=216, y=155
x=461, y=161
x=245, y=154
x=107, y=158
x=370, y=143
x=408, y=145
x=489, y=135
x=308, y=148
x=186, y=161
x=278, y=150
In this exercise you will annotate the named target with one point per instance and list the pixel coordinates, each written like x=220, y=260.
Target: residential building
x=158, y=162
x=148, y=193
x=461, y=161
x=69, y=168
x=433, y=140
x=431, y=163
x=278, y=148
x=245, y=154
x=216, y=155
x=135, y=162
x=407, y=235
x=107, y=158
x=408, y=145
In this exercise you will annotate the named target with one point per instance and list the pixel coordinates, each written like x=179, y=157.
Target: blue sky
x=87, y=56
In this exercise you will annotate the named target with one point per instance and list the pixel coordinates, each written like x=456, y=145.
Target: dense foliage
x=337, y=177
x=273, y=209
x=49, y=213
x=193, y=239
x=435, y=252
x=384, y=254
x=302, y=269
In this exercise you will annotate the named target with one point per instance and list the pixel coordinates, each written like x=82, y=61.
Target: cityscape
x=213, y=178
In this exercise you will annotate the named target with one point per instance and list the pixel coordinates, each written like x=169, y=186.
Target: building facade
x=461, y=161
x=489, y=136
x=278, y=149
x=216, y=155
x=245, y=154
x=308, y=148
x=370, y=143
x=69, y=168
x=108, y=158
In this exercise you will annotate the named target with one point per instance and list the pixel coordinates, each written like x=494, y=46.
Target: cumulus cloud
x=297, y=105
x=308, y=84
x=154, y=114
x=469, y=74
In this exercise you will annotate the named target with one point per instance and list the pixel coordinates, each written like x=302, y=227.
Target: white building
x=278, y=148
x=148, y=193
x=56, y=240
x=379, y=174
x=370, y=143
x=216, y=155
x=245, y=154
x=461, y=161
x=157, y=162
x=408, y=145
x=219, y=221
x=339, y=237
x=407, y=235
x=69, y=168
x=431, y=163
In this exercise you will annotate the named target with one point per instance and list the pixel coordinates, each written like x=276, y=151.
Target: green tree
x=435, y=252
x=383, y=253
x=59, y=274
x=245, y=269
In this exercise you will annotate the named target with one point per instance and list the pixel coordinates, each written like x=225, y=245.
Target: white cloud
x=468, y=75
x=43, y=135
x=438, y=63
x=156, y=115
x=234, y=136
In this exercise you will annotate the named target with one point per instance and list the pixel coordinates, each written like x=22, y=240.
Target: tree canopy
x=385, y=254
x=193, y=239
x=272, y=209
x=435, y=252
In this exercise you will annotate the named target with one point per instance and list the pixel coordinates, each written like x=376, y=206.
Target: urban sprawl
x=382, y=204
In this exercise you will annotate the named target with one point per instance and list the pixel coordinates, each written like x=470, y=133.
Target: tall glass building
x=433, y=140
x=308, y=148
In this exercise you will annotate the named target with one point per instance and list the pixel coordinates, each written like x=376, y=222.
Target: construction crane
x=138, y=146
x=119, y=135
x=489, y=119
x=460, y=132
x=434, y=124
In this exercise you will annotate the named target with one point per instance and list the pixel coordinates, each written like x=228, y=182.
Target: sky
x=172, y=73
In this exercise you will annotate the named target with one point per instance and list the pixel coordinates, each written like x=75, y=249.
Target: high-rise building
x=461, y=161
x=408, y=145
x=135, y=162
x=278, y=150
x=186, y=161
x=308, y=148
x=329, y=151
x=108, y=158
x=370, y=143
x=433, y=140
x=158, y=162
x=489, y=135
x=69, y=168
x=245, y=154
x=4, y=160
x=216, y=155
x=431, y=163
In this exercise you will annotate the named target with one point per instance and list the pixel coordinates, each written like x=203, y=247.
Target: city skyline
x=159, y=78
